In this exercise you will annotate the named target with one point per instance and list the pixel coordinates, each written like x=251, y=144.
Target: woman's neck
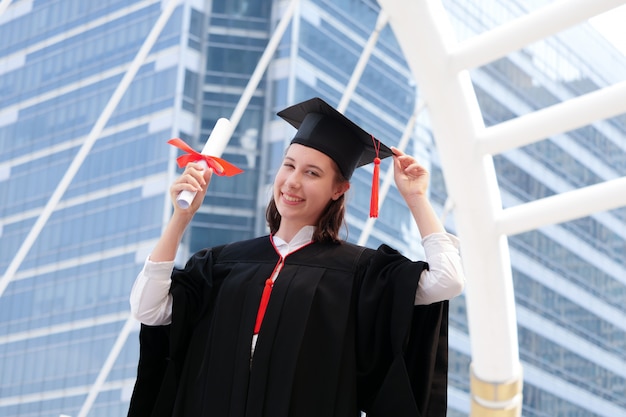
x=287, y=232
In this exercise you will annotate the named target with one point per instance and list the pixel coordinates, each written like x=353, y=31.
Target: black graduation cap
x=322, y=127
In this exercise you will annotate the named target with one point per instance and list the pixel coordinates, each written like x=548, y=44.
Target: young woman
x=299, y=323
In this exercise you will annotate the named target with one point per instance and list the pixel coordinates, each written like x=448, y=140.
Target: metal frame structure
x=440, y=65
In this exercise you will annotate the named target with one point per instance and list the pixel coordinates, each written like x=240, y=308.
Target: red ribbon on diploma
x=219, y=166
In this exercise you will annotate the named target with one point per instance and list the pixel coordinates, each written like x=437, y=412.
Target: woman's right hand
x=194, y=179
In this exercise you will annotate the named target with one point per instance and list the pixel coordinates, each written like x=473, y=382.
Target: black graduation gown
x=340, y=334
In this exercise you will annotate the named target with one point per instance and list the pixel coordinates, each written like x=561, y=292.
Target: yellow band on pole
x=496, y=399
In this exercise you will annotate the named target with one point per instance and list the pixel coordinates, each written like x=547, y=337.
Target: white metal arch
x=440, y=66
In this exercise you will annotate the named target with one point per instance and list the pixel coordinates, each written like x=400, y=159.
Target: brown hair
x=327, y=227
x=329, y=222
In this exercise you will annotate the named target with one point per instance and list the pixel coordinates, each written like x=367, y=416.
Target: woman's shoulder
x=346, y=253
x=366, y=253
x=258, y=248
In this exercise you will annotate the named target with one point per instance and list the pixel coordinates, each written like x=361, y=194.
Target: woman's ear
x=341, y=189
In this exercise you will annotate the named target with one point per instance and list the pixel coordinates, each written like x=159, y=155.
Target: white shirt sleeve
x=150, y=298
x=445, y=278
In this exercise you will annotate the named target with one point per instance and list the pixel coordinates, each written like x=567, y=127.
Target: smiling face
x=304, y=185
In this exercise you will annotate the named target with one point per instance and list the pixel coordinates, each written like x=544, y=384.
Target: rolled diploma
x=214, y=146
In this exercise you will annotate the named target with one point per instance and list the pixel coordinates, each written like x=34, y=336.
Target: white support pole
x=85, y=148
x=296, y=21
x=4, y=4
x=381, y=21
x=129, y=325
x=465, y=147
x=388, y=179
x=562, y=117
x=563, y=207
x=217, y=148
x=472, y=186
x=532, y=27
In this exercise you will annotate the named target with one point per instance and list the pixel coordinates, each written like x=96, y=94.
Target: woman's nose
x=293, y=180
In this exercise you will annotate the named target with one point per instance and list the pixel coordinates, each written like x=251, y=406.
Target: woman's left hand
x=411, y=178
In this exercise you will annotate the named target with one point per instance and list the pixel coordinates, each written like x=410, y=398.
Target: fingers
x=396, y=151
x=407, y=164
x=194, y=178
x=415, y=170
x=216, y=166
x=402, y=157
x=195, y=175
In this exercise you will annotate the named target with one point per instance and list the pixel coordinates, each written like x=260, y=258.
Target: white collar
x=301, y=238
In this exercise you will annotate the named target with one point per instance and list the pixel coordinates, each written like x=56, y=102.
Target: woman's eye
x=313, y=173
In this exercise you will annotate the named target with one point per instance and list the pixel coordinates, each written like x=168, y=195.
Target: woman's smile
x=291, y=198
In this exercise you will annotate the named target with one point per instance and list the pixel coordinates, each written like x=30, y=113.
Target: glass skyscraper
x=65, y=307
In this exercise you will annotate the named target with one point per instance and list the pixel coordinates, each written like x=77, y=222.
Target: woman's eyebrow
x=308, y=165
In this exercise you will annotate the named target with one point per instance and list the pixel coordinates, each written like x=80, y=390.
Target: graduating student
x=299, y=323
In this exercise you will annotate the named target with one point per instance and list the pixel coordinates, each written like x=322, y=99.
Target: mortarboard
x=322, y=127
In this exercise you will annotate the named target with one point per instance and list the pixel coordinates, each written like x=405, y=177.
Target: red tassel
x=265, y=298
x=374, y=196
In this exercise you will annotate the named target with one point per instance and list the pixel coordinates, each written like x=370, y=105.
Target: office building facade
x=65, y=307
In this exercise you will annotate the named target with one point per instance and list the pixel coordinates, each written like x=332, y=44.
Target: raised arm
x=445, y=278
x=194, y=178
x=150, y=300
x=412, y=181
